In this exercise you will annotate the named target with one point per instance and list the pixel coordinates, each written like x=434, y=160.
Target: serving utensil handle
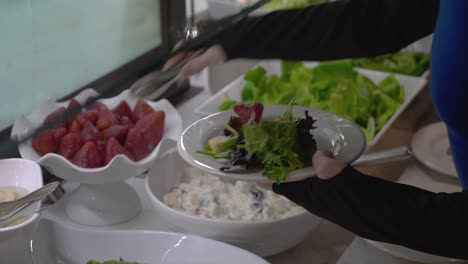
x=399, y=153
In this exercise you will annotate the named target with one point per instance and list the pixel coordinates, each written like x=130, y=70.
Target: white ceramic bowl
x=261, y=238
x=103, y=197
x=120, y=167
x=57, y=243
x=15, y=240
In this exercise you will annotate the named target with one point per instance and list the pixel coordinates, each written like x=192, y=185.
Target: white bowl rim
x=33, y=216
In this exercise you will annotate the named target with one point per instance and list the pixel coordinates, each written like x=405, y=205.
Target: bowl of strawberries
x=100, y=147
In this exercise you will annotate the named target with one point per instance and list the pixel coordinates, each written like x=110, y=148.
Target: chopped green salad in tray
x=409, y=63
x=332, y=86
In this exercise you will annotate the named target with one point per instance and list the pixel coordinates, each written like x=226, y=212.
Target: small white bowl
x=261, y=238
x=103, y=197
x=15, y=240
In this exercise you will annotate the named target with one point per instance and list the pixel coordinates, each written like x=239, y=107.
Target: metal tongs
x=156, y=83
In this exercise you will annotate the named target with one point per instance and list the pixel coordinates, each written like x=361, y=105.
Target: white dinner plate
x=431, y=147
x=56, y=243
x=334, y=133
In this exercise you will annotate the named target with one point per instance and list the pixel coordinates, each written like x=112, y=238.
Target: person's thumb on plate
x=326, y=166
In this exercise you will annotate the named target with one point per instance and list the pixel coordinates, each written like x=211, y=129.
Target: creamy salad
x=9, y=194
x=209, y=196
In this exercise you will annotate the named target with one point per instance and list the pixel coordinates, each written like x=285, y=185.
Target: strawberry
x=75, y=127
x=101, y=148
x=135, y=143
x=123, y=109
x=106, y=118
x=90, y=133
x=69, y=145
x=245, y=111
x=52, y=117
x=125, y=121
x=45, y=143
x=141, y=109
x=152, y=127
x=118, y=132
x=59, y=133
x=88, y=156
x=90, y=116
x=73, y=104
x=114, y=148
x=94, y=106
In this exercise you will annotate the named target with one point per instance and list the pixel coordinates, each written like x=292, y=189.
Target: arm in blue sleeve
x=386, y=211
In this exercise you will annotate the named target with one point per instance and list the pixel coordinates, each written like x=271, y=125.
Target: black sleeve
x=336, y=30
x=435, y=223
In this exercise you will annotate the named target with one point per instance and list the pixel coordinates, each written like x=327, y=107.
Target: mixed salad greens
x=331, y=86
x=120, y=261
x=278, y=146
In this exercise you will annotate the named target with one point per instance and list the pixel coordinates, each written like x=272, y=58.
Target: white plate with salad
x=371, y=99
x=273, y=143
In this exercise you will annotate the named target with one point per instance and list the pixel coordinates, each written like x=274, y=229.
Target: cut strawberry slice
x=75, y=127
x=106, y=118
x=123, y=109
x=90, y=133
x=73, y=104
x=52, y=117
x=101, y=147
x=69, y=145
x=59, y=133
x=88, y=116
x=88, y=156
x=45, y=143
x=135, y=143
x=141, y=109
x=152, y=127
x=117, y=132
x=114, y=148
x=125, y=121
x=94, y=106
x=245, y=112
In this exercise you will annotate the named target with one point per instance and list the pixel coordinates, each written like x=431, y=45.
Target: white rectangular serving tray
x=412, y=86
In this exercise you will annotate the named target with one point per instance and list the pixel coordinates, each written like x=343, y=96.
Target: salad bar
x=130, y=169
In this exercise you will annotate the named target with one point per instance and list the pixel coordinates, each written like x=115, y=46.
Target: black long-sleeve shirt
x=370, y=207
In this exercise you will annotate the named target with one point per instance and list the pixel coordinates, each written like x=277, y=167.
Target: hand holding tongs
x=156, y=83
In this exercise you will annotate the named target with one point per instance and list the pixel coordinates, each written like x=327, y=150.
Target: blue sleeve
x=449, y=78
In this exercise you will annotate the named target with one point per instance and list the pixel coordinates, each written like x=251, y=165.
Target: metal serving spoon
x=10, y=209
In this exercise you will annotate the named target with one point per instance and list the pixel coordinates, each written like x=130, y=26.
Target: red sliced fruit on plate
x=94, y=106
x=125, y=121
x=114, y=148
x=75, y=127
x=141, y=109
x=152, y=127
x=73, y=104
x=69, y=145
x=52, y=117
x=59, y=133
x=88, y=116
x=45, y=143
x=88, y=156
x=135, y=143
x=90, y=133
x=122, y=109
x=118, y=132
x=101, y=147
x=106, y=118
x=245, y=112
